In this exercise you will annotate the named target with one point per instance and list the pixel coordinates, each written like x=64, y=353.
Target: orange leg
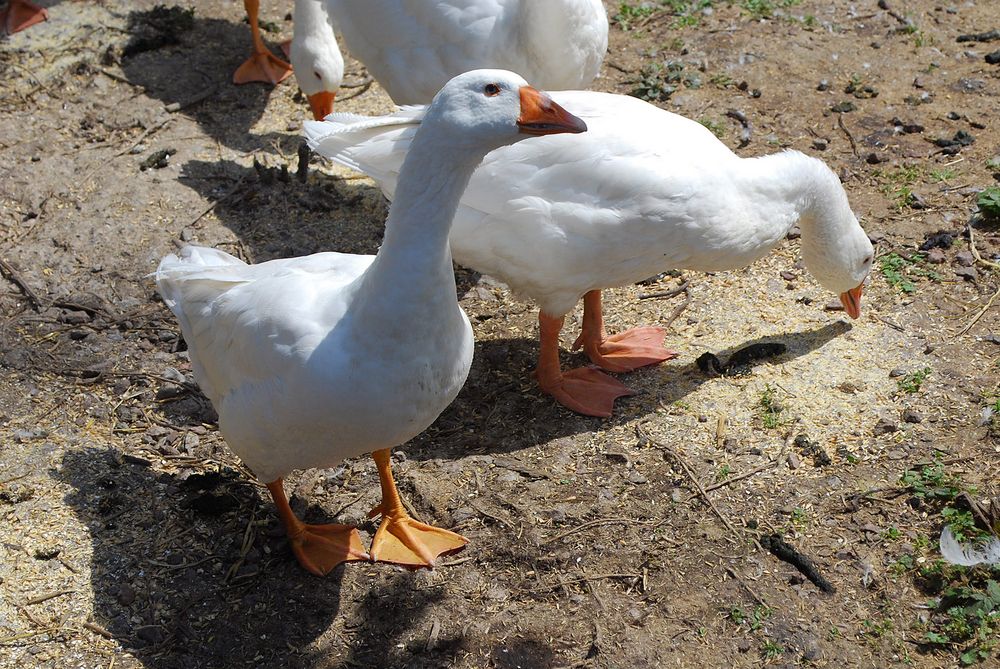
x=400, y=539
x=623, y=352
x=319, y=548
x=585, y=390
x=21, y=14
x=261, y=65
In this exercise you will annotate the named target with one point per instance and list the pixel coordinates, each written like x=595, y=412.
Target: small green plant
x=714, y=126
x=963, y=525
x=770, y=408
x=892, y=533
x=877, y=628
x=723, y=473
x=910, y=383
x=897, y=270
x=754, y=619
x=771, y=649
x=942, y=175
x=657, y=82
x=989, y=203
x=969, y=617
x=800, y=517
x=932, y=482
x=993, y=164
x=898, y=182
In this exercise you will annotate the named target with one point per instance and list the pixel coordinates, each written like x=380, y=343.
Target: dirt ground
x=131, y=537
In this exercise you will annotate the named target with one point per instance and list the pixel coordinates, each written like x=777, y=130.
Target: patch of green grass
x=993, y=164
x=910, y=383
x=876, y=628
x=628, y=14
x=800, y=517
x=942, y=175
x=686, y=12
x=892, y=533
x=762, y=9
x=770, y=408
x=715, y=127
x=721, y=80
x=753, y=619
x=723, y=473
x=898, y=183
x=989, y=203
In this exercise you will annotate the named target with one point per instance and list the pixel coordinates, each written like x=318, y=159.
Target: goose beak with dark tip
x=321, y=104
x=541, y=116
x=852, y=301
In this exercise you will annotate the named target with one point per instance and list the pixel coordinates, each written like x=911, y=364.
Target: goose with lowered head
x=642, y=192
x=312, y=360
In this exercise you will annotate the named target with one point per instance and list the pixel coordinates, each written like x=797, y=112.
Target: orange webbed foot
x=320, y=548
x=21, y=14
x=404, y=541
x=635, y=348
x=588, y=391
x=264, y=67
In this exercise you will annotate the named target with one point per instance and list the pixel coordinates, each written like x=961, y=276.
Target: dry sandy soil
x=131, y=537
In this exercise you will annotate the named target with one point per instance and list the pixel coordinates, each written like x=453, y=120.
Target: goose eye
x=867, y=260
x=317, y=75
x=491, y=90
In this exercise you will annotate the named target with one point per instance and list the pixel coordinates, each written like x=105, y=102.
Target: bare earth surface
x=131, y=537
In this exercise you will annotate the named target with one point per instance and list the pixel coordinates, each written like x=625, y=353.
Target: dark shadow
x=191, y=569
x=276, y=215
x=500, y=409
x=190, y=63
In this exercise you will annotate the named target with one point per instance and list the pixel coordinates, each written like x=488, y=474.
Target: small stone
x=186, y=235
x=876, y=237
x=794, y=461
x=675, y=496
x=967, y=273
x=875, y=158
x=637, y=478
x=126, y=594
x=911, y=416
x=173, y=374
x=823, y=85
x=897, y=372
x=794, y=233
x=756, y=451
x=885, y=425
x=789, y=276
x=993, y=58
x=820, y=144
x=965, y=259
x=74, y=317
x=843, y=107
x=744, y=646
x=702, y=418
x=834, y=305
x=896, y=455
x=917, y=201
x=935, y=256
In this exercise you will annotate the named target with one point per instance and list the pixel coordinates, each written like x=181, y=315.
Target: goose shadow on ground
x=191, y=569
x=192, y=66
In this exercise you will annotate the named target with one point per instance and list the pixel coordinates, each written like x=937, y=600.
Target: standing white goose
x=643, y=191
x=412, y=48
x=312, y=360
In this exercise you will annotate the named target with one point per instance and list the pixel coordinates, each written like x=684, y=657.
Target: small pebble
x=967, y=273
x=820, y=144
x=911, y=416
x=823, y=85
x=935, y=256
x=794, y=461
x=965, y=259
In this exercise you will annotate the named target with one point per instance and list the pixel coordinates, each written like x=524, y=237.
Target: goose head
x=315, y=56
x=835, y=247
x=494, y=108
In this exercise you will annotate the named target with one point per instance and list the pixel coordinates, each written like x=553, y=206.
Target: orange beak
x=321, y=104
x=541, y=116
x=852, y=301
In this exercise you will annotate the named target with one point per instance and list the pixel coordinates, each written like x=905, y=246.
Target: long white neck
x=414, y=263
x=310, y=19
x=777, y=192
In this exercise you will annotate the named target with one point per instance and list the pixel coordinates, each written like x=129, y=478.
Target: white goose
x=312, y=360
x=412, y=48
x=643, y=191
x=313, y=50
